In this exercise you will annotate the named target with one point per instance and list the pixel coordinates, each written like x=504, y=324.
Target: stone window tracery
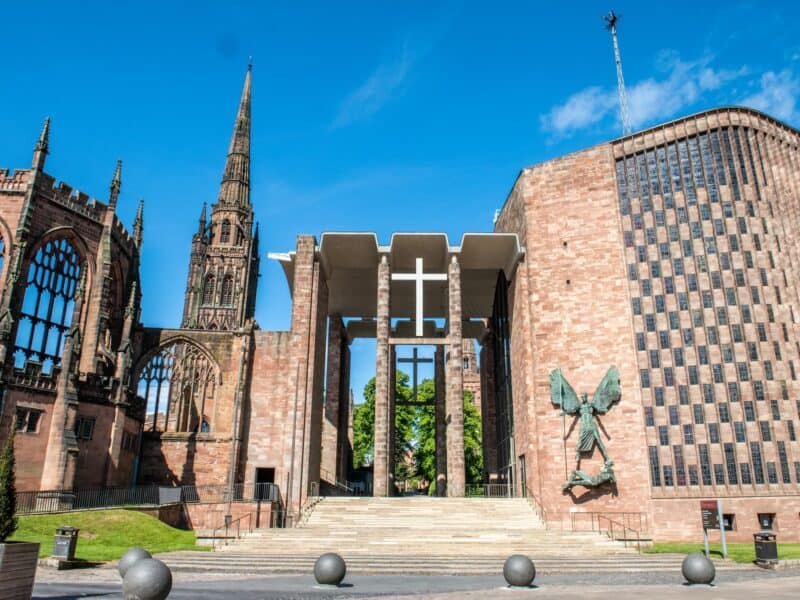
x=47, y=307
x=208, y=289
x=2, y=253
x=227, y=291
x=225, y=232
x=178, y=385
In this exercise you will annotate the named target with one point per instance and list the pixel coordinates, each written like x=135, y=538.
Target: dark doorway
x=265, y=478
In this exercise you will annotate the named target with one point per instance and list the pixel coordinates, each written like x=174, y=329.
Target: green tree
x=8, y=492
x=364, y=428
x=425, y=455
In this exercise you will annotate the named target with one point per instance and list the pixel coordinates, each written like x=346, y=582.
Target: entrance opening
x=265, y=478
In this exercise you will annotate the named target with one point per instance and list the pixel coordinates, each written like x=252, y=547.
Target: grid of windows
x=693, y=244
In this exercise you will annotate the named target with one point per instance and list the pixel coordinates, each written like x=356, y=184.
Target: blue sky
x=366, y=116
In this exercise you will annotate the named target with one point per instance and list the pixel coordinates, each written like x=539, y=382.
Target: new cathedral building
x=671, y=253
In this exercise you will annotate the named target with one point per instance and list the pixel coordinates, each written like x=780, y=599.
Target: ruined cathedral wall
x=58, y=211
x=270, y=411
x=571, y=307
x=196, y=458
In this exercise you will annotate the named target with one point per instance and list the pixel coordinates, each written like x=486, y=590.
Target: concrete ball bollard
x=147, y=579
x=329, y=569
x=131, y=557
x=519, y=571
x=697, y=568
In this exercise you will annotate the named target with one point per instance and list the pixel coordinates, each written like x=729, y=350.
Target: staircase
x=420, y=535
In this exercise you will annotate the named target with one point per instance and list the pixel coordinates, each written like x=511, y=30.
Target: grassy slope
x=741, y=553
x=105, y=534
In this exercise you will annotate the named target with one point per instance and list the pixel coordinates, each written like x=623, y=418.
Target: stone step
x=190, y=562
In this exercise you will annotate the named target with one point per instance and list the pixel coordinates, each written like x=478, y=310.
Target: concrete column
x=392, y=417
x=343, y=447
x=307, y=355
x=330, y=422
x=488, y=408
x=441, y=432
x=380, y=485
x=455, y=388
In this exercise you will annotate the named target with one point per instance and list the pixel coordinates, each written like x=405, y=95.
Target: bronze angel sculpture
x=608, y=393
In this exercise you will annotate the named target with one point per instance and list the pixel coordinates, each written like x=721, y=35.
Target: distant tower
x=223, y=267
x=611, y=20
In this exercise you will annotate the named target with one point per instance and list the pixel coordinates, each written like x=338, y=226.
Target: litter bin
x=64, y=543
x=766, y=547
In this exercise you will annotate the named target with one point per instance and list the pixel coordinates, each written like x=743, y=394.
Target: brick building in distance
x=670, y=253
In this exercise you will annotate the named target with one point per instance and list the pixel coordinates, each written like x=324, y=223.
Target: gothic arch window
x=239, y=236
x=208, y=289
x=177, y=385
x=47, y=307
x=225, y=232
x=227, y=290
x=2, y=253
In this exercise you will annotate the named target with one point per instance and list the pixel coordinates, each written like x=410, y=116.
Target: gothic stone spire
x=42, y=145
x=235, y=187
x=138, y=224
x=116, y=186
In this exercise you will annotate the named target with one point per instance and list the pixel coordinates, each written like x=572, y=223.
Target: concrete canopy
x=349, y=264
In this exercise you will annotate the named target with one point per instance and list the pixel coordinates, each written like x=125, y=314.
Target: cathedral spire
x=116, y=186
x=235, y=187
x=40, y=151
x=138, y=224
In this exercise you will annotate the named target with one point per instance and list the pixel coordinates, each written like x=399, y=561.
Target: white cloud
x=370, y=96
x=680, y=84
x=585, y=108
x=777, y=95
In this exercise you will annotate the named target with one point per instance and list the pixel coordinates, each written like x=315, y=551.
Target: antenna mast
x=611, y=20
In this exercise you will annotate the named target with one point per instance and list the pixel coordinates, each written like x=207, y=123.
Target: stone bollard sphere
x=519, y=571
x=696, y=568
x=128, y=559
x=147, y=579
x=329, y=569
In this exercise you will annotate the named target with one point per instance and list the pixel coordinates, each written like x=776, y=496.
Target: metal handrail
x=537, y=505
x=626, y=518
x=227, y=525
x=488, y=490
x=610, y=531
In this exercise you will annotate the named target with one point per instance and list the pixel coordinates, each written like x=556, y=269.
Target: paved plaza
x=743, y=584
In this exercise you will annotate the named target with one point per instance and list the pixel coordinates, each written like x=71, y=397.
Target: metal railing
x=618, y=531
x=229, y=525
x=488, y=490
x=625, y=527
x=589, y=521
x=49, y=501
x=536, y=505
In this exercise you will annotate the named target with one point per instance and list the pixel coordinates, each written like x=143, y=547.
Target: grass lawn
x=741, y=553
x=105, y=534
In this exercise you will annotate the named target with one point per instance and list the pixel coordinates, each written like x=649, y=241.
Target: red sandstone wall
x=204, y=518
x=680, y=520
x=30, y=447
x=570, y=310
x=270, y=420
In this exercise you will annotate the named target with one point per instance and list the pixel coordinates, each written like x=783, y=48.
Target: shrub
x=8, y=492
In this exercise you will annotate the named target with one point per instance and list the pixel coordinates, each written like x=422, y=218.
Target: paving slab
x=733, y=585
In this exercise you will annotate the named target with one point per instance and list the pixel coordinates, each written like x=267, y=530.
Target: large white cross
x=419, y=277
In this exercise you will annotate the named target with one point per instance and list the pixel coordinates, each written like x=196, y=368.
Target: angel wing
x=608, y=392
x=561, y=393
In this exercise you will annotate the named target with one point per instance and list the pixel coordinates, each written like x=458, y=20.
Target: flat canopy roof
x=350, y=261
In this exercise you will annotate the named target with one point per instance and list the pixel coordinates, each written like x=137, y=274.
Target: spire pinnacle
x=235, y=187
x=138, y=224
x=40, y=151
x=202, y=225
x=116, y=186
